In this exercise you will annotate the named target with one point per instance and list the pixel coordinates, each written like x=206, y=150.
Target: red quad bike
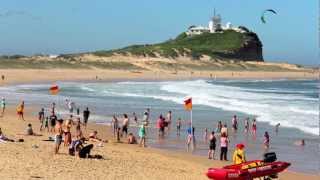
x=267, y=169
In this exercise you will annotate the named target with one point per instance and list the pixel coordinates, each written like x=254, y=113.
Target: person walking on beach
x=41, y=118
x=224, y=141
x=115, y=124
x=178, y=126
x=219, y=127
x=53, y=118
x=234, y=124
x=125, y=125
x=53, y=107
x=58, y=136
x=266, y=140
x=239, y=154
x=212, y=146
x=254, y=127
x=246, y=125
x=46, y=123
x=3, y=106
x=20, y=111
x=142, y=135
x=86, y=114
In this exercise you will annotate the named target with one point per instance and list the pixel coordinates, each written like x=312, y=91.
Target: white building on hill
x=214, y=26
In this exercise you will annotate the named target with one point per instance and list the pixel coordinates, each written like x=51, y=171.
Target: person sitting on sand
x=29, y=131
x=131, y=139
x=77, y=149
x=239, y=154
x=93, y=137
x=20, y=111
x=4, y=138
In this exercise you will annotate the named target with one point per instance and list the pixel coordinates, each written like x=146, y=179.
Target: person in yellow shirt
x=239, y=154
x=20, y=111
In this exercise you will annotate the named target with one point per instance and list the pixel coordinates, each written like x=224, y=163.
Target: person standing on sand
x=224, y=141
x=67, y=131
x=178, y=126
x=86, y=114
x=53, y=108
x=142, y=135
x=53, y=118
x=115, y=124
x=3, y=106
x=212, y=145
x=41, y=118
x=58, y=136
x=125, y=125
x=189, y=137
x=20, y=111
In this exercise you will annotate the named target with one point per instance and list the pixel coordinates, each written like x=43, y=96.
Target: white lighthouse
x=215, y=23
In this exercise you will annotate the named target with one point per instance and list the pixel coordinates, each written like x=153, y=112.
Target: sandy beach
x=21, y=160
x=122, y=161
x=52, y=75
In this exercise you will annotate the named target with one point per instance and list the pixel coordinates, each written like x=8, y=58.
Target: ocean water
x=292, y=103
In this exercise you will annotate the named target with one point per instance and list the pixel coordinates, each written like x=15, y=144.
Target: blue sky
x=64, y=26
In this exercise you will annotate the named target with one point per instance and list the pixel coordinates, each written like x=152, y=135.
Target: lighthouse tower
x=215, y=22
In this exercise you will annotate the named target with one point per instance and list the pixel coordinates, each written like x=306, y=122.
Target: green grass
x=204, y=44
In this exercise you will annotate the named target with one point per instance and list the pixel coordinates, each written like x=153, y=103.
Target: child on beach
x=41, y=118
x=224, y=141
x=131, y=139
x=20, y=111
x=212, y=145
x=142, y=135
x=46, y=123
x=178, y=126
x=3, y=106
x=266, y=141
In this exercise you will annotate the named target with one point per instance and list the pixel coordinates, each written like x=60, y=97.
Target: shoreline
x=195, y=160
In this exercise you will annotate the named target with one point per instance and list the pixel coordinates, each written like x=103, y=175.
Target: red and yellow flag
x=54, y=90
x=188, y=104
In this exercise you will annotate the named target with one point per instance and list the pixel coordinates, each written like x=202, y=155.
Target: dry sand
x=53, y=75
x=122, y=161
